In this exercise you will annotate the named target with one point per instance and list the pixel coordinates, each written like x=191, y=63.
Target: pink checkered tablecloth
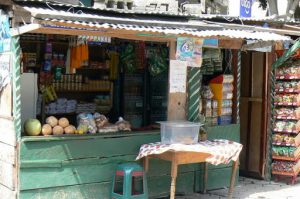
x=222, y=151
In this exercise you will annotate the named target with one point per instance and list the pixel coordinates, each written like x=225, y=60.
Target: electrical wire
x=71, y=8
x=47, y=3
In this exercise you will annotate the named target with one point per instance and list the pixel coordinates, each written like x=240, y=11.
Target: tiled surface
x=253, y=189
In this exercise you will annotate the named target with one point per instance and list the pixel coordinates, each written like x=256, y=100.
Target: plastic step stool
x=125, y=180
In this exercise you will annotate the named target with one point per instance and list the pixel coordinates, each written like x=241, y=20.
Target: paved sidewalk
x=253, y=189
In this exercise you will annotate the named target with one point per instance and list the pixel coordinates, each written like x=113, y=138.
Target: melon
x=32, y=127
x=46, y=129
x=70, y=129
x=52, y=121
x=58, y=130
x=63, y=122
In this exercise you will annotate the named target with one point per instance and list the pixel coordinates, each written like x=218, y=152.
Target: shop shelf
x=283, y=144
x=288, y=77
x=287, y=90
x=283, y=117
x=286, y=104
x=83, y=91
x=285, y=158
x=286, y=131
x=284, y=173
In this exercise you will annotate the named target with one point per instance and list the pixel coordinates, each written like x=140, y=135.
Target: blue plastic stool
x=127, y=174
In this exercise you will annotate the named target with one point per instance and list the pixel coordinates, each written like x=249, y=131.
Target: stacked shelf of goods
x=133, y=99
x=222, y=89
x=286, y=137
x=158, y=98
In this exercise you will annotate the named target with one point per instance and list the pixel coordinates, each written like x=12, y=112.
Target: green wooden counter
x=82, y=166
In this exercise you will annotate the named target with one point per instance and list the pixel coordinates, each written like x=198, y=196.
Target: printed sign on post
x=178, y=73
x=4, y=34
x=190, y=50
x=245, y=8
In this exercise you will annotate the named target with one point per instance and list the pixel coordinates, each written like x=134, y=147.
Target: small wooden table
x=179, y=158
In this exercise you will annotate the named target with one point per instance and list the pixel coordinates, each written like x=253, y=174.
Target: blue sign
x=212, y=43
x=245, y=8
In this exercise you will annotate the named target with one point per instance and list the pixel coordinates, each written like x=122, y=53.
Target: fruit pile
x=53, y=126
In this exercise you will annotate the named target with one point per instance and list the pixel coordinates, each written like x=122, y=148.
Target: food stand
x=81, y=166
x=284, y=120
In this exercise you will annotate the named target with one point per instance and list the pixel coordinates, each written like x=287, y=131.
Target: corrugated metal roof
x=178, y=26
x=228, y=33
x=81, y=16
x=148, y=12
x=268, y=19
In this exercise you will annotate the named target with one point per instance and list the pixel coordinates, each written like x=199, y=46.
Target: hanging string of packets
x=95, y=39
x=78, y=54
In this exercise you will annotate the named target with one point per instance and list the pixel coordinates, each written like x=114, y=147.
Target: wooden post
x=205, y=176
x=232, y=179
x=173, y=181
x=146, y=163
x=176, y=101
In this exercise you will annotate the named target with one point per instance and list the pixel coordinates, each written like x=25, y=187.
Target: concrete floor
x=253, y=189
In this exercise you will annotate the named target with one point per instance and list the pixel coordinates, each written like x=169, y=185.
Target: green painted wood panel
x=194, y=86
x=229, y=132
x=157, y=186
x=33, y=176
x=78, y=161
x=217, y=178
x=82, y=148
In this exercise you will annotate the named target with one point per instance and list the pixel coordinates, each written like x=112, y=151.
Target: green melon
x=32, y=127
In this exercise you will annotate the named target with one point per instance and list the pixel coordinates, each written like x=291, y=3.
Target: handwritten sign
x=4, y=70
x=178, y=75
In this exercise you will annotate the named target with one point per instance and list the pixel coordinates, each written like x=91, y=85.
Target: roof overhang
x=55, y=21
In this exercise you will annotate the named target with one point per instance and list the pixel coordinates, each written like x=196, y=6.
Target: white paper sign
x=4, y=70
x=178, y=73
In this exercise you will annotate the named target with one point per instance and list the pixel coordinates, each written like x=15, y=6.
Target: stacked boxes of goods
x=209, y=107
x=222, y=89
x=60, y=106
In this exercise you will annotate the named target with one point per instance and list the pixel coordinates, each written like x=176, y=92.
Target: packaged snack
x=275, y=151
x=292, y=151
x=280, y=125
x=206, y=93
x=297, y=126
x=297, y=113
x=214, y=104
x=290, y=126
x=277, y=138
x=283, y=166
x=207, y=103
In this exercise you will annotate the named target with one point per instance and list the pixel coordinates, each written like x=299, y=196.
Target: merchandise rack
x=287, y=132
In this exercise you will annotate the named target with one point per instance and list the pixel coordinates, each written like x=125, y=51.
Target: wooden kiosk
x=81, y=166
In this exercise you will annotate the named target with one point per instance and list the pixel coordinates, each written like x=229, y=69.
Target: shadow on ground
x=253, y=189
